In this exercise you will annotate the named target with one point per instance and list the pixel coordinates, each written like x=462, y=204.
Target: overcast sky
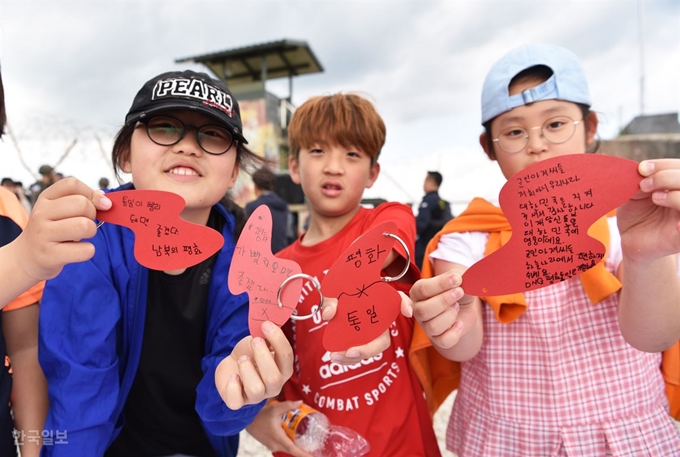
x=71, y=70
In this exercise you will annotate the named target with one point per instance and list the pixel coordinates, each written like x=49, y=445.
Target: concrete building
x=647, y=137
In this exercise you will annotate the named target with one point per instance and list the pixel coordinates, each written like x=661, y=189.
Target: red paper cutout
x=550, y=205
x=258, y=272
x=163, y=240
x=367, y=305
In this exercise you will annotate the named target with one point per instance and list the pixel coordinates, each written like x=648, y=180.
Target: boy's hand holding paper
x=366, y=304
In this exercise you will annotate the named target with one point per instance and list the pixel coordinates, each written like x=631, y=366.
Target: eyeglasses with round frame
x=556, y=130
x=168, y=130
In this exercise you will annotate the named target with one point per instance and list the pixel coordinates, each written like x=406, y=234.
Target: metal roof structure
x=260, y=62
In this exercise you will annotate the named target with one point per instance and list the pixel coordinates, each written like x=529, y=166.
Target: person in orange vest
x=32, y=250
x=558, y=370
x=51, y=237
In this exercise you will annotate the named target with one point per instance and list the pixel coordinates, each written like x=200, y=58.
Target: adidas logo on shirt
x=330, y=369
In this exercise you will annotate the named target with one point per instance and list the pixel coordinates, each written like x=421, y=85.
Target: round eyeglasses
x=556, y=130
x=166, y=131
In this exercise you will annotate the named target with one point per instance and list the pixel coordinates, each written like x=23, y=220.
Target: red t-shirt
x=380, y=397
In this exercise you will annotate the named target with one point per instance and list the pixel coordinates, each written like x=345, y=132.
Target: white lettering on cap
x=194, y=88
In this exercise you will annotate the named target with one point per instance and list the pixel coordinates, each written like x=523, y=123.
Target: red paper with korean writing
x=550, y=205
x=367, y=305
x=258, y=272
x=163, y=240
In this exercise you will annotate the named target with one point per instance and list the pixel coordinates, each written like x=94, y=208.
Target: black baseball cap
x=188, y=90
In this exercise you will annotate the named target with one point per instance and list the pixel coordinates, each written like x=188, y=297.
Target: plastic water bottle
x=312, y=432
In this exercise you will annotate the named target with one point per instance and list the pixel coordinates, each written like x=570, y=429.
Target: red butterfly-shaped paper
x=163, y=240
x=367, y=305
x=550, y=205
x=258, y=272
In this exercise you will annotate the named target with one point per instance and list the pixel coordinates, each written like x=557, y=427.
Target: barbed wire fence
x=68, y=147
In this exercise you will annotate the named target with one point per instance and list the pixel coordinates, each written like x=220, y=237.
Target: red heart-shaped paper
x=163, y=240
x=362, y=317
x=367, y=305
x=258, y=272
x=550, y=205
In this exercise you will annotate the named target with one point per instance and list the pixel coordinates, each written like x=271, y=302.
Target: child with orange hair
x=335, y=142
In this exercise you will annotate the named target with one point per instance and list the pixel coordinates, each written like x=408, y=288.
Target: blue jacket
x=91, y=329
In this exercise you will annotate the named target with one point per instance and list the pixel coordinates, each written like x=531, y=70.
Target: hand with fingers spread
x=266, y=428
x=63, y=215
x=255, y=371
x=451, y=319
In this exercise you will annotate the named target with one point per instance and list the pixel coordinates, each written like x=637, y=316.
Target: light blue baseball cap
x=567, y=83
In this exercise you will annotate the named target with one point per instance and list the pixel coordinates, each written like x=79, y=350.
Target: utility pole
x=641, y=23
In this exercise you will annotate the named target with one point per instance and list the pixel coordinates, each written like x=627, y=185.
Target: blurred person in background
x=23, y=195
x=282, y=233
x=8, y=183
x=17, y=189
x=47, y=178
x=103, y=183
x=433, y=213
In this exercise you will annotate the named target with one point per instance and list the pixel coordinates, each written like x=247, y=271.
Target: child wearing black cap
x=142, y=362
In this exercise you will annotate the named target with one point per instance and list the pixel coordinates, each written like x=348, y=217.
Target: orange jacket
x=12, y=209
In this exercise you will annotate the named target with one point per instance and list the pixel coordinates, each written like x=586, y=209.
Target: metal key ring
x=100, y=224
x=318, y=288
x=408, y=260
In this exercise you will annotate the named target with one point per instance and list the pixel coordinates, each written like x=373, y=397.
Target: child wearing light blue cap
x=566, y=376
x=567, y=81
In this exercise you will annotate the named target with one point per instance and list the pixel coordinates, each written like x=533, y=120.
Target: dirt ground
x=250, y=447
